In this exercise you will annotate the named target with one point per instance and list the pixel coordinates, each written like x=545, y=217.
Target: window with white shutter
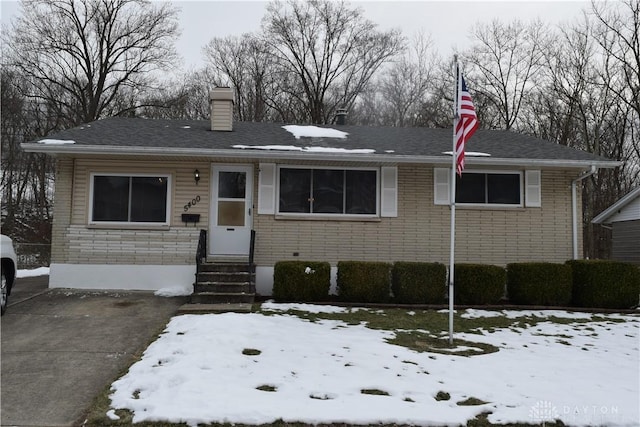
x=533, y=197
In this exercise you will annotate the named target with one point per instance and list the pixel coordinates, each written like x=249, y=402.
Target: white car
x=9, y=269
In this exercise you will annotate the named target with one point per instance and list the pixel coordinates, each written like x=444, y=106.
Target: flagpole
x=452, y=197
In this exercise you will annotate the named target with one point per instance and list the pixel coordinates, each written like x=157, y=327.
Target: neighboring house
x=326, y=193
x=624, y=219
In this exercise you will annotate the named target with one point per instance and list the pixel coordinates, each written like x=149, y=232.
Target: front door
x=231, y=209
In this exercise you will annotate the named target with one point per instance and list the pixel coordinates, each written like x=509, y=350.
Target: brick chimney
x=221, y=100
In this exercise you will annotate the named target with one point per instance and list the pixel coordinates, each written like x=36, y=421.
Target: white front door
x=231, y=210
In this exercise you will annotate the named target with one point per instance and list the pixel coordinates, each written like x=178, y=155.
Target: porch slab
x=215, y=308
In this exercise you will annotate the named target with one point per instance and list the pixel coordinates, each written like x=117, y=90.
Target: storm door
x=231, y=210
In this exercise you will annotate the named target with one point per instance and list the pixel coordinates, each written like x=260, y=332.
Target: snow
x=469, y=154
x=111, y=414
x=339, y=150
x=174, y=291
x=306, y=149
x=56, y=141
x=584, y=373
x=314, y=132
x=310, y=308
x=40, y=271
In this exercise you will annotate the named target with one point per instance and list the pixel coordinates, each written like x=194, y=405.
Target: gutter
x=574, y=207
x=296, y=155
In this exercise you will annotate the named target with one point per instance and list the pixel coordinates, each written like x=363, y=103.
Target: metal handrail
x=252, y=246
x=201, y=252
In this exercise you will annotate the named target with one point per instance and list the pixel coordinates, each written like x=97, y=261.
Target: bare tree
x=245, y=63
x=575, y=103
x=617, y=32
x=183, y=97
x=26, y=184
x=83, y=53
x=404, y=85
x=330, y=51
x=503, y=63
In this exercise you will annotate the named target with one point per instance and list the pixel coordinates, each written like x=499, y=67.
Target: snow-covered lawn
x=260, y=367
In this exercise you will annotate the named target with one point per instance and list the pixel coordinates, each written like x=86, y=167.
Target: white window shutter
x=532, y=189
x=441, y=190
x=267, y=189
x=389, y=191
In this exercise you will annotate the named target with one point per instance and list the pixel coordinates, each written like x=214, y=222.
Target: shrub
x=605, y=284
x=478, y=284
x=419, y=282
x=301, y=281
x=539, y=283
x=360, y=281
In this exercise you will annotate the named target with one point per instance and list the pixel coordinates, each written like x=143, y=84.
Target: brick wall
x=77, y=242
x=421, y=230
x=419, y=233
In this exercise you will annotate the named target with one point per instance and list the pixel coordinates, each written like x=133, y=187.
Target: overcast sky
x=448, y=22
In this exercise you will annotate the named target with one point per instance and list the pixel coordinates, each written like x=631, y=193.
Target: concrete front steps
x=222, y=287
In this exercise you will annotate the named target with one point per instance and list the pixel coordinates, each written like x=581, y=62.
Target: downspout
x=574, y=207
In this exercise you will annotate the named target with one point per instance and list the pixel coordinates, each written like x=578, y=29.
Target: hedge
x=478, y=284
x=360, y=281
x=419, y=282
x=605, y=284
x=539, y=283
x=301, y=281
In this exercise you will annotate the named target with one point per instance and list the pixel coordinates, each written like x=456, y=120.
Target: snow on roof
x=314, y=132
x=306, y=149
x=469, y=153
x=56, y=141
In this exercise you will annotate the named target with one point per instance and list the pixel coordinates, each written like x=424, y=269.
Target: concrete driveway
x=60, y=348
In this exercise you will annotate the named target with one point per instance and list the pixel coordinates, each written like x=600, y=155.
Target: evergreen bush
x=419, y=282
x=301, y=281
x=605, y=284
x=478, y=284
x=539, y=283
x=361, y=281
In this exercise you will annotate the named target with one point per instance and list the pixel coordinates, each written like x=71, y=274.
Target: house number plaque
x=192, y=203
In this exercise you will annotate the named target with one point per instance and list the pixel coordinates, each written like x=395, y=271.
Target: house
x=624, y=219
x=133, y=194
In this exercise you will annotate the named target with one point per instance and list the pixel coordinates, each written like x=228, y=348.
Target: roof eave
x=604, y=216
x=72, y=149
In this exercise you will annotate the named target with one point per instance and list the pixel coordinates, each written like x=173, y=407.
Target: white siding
x=628, y=213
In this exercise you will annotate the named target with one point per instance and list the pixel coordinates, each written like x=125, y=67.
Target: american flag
x=466, y=123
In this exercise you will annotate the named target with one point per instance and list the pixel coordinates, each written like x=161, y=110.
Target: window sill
x=490, y=207
x=351, y=218
x=127, y=226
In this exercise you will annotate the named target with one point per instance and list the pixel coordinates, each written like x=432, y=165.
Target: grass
x=419, y=330
x=374, y=391
x=442, y=395
x=471, y=401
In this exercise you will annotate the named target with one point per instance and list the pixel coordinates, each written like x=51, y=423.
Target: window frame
x=312, y=215
x=519, y=173
x=129, y=223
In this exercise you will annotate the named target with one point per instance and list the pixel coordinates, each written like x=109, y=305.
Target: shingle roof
x=119, y=135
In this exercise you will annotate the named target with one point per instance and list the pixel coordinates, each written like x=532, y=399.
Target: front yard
x=324, y=364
